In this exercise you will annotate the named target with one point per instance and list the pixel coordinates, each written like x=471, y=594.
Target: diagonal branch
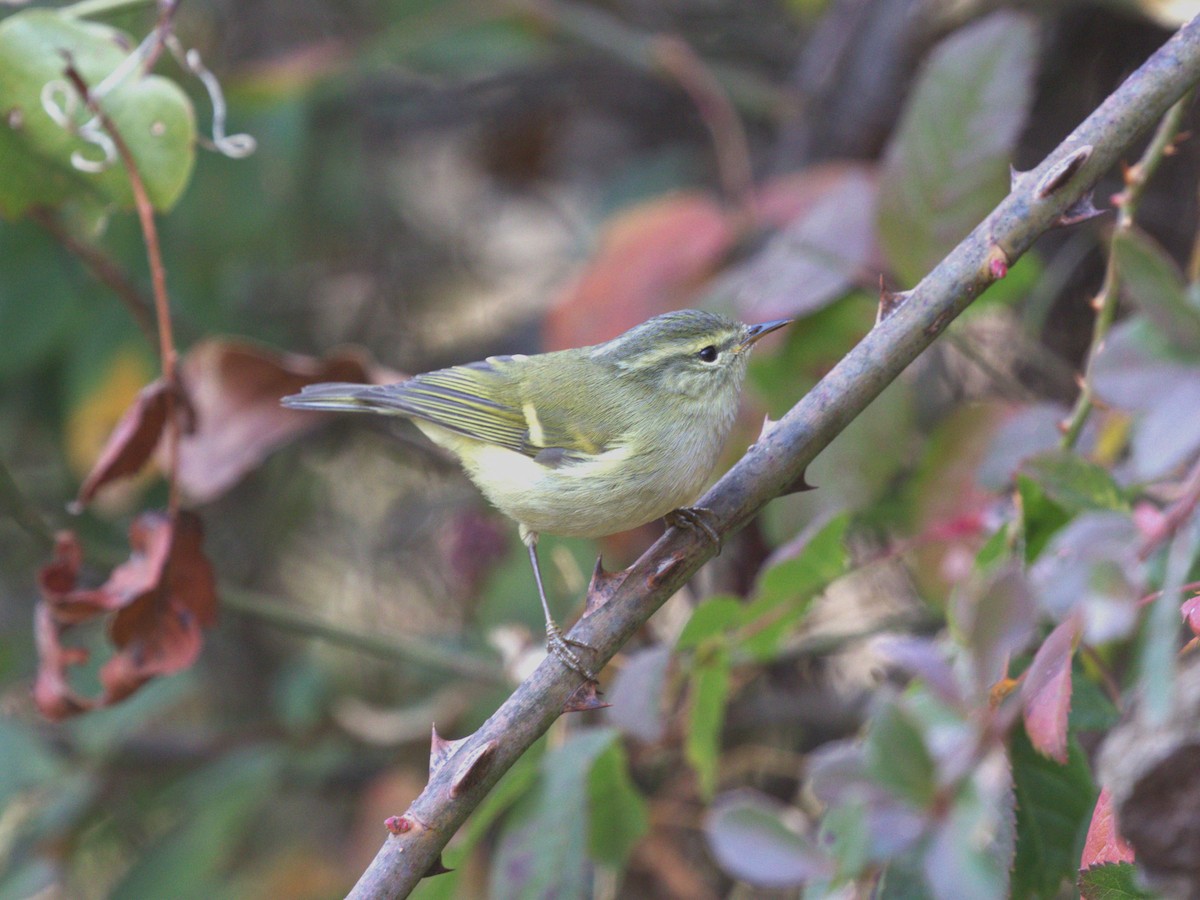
x=780, y=457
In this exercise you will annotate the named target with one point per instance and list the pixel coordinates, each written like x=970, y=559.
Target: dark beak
x=759, y=331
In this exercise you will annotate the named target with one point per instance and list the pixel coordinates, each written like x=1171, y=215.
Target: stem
x=158, y=278
x=85, y=8
x=393, y=647
x=730, y=145
x=777, y=460
x=1105, y=303
x=23, y=512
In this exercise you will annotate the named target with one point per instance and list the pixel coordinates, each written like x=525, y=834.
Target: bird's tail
x=334, y=396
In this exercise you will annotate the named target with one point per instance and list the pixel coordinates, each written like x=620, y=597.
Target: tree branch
x=778, y=460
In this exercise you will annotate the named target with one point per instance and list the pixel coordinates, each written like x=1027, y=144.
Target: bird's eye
x=708, y=354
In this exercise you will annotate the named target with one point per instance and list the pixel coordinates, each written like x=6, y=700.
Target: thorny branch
x=470, y=768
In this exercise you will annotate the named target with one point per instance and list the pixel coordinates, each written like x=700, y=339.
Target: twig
x=158, y=279
x=394, y=647
x=104, y=269
x=778, y=460
x=1105, y=302
x=1176, y=514
x=732, y=149
x=16, y=504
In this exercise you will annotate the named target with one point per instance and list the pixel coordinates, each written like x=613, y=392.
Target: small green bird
x=584, y=442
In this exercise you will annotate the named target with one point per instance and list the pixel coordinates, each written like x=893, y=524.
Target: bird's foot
x=695, y=518
x=559, y=647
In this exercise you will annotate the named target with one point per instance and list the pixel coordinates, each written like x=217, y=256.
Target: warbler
x=583, y=442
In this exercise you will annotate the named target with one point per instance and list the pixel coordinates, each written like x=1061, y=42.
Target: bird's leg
x=695, y=518
x=557, y=644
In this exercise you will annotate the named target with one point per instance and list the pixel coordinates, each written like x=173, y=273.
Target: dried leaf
x=1046, y=691
x=131, y=443
x=172, y=595
x=51, y=691
x=163, y=595
x=235, y=389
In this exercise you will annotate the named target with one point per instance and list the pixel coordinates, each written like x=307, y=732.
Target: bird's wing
x=483, y=401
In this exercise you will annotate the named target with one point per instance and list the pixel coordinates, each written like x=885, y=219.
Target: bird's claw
x=559, y=647
x=695, y=518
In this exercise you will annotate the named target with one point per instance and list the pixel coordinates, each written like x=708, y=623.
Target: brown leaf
x=1046, y=691
x=235, y=388
x=1104, y=843
x=162, y=596
x=66, y=603
x=131, y=443
x=172, y=597
x=51, y=692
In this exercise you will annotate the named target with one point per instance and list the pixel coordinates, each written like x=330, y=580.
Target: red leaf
x=131, y=442
x=1191, y=613
x=234, y=388
x=1104, y=843
x=56, y=580
x=1046, y=691
x=51, y=692
x=651, y=258
x=163, y=595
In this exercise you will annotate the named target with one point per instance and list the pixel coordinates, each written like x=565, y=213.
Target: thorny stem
x=1105, y=302
x=1176, y=514
x=779, y=459
x=158, y=278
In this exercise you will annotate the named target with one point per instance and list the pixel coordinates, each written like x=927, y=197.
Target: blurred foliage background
x=439, y=181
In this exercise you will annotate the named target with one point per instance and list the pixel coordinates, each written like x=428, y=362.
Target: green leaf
x=152, y=114
x=787, y=589
x=29, y=761
x=37, y=295
x=543, y=849
x=214, y=807
x=1074, y=483
x=1054, y=807
x=618, y=817
x=753, y=840
x=1113, y=881
x=947, y=164
x=1152, y=280
x=713, y=617
x=1041, y=517
x=897, y=757
x=710, y=693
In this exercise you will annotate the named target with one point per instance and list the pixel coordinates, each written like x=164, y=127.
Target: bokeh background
x=439, y=181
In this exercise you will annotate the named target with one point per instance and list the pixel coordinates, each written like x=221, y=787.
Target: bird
x=582, y=442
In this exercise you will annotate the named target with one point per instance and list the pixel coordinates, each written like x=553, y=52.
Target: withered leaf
x=235, y=387
x=131, y=443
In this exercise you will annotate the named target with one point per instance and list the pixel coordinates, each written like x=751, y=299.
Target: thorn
x=1061, y=172
x=440, y=750
x=398, y=824
x=586, y=697
x=1080, y=211
x=1014, y=176
x=768, y=426
x=437, y=867
x=473, y=768
x=997, y=262
x=889, y=301
x=602, y=587
x=799, y=485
